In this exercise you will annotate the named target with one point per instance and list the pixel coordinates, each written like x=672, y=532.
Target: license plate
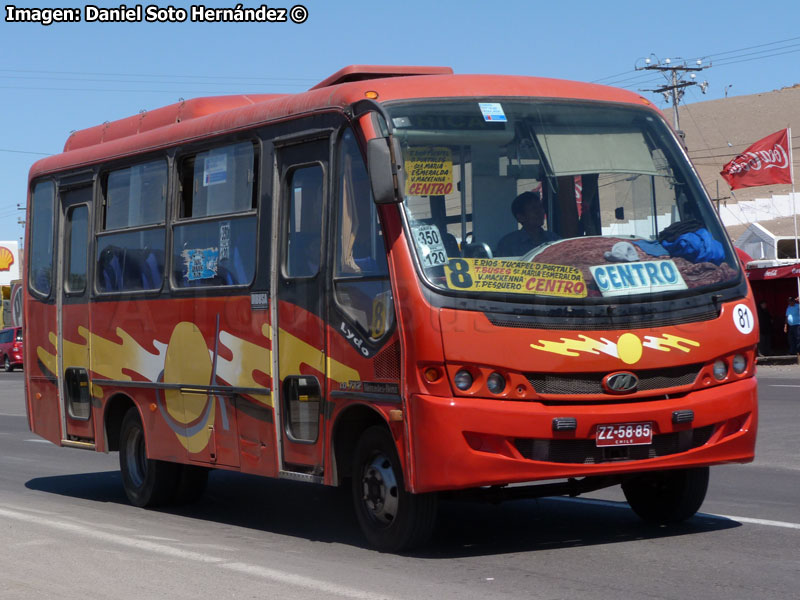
x=624, y=434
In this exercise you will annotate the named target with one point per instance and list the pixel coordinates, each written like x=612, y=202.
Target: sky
x=68, y=76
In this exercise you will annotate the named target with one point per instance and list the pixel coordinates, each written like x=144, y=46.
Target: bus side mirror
x=385, y=177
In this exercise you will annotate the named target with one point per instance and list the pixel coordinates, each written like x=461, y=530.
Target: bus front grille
x=591, y=383
x=586, y=452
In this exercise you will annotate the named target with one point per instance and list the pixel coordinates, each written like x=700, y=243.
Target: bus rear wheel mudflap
x=391, y=518
x=667, y=497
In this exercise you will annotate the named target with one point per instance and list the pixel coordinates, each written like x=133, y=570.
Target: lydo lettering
x=774, y=158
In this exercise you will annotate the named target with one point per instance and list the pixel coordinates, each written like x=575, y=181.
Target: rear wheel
x=667, y=497
x=147, y=482
x=7, y=365
x=391, y=518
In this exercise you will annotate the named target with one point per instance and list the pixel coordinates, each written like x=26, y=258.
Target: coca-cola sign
x=766, y=162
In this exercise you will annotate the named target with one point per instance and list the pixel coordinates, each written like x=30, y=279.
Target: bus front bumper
x=461, y=443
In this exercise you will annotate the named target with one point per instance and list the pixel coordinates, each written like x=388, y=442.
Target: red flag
x=766, y=162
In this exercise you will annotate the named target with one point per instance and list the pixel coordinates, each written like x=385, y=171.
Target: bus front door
x=298, y=313
x=73, y=317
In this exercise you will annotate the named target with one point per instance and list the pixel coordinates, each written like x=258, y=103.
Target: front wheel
x=667, y=497
x=391, y=518
x=147, y=482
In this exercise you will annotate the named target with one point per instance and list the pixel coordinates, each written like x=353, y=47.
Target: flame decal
x=571, y=347
x=667, y=341
x=186, y=359
x=628, y=348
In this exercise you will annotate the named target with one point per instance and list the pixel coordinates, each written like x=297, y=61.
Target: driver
x=528, y=210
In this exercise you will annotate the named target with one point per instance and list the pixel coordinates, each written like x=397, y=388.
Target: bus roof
x=200, y=118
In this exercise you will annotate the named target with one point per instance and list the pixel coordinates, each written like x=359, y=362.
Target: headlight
x=496, y=383
x=720, y=370
x=463, y=380
x=739, y=364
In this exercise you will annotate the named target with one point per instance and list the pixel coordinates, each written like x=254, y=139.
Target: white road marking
x=39, y=441
x=758, y=521
x=275, y=575
x=614, y=504
x=783, y=385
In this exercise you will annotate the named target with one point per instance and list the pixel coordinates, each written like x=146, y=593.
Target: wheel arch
x=115, y=410
x=347, y=429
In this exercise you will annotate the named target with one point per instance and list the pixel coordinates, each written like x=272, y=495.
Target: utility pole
x=718, y=198
x=676, y=84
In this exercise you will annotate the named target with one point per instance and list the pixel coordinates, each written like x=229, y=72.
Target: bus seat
x=132, y=271
x=476, y=250
x=152, y=271
x=110, y=279
x=231, y=270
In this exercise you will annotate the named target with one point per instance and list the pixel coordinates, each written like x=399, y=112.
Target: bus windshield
x=559, y=200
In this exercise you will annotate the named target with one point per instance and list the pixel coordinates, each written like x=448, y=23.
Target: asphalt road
x=67, y=531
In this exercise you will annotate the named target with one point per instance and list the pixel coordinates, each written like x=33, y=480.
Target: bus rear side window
x=219, y=181
x=133, y=259
x=41, y=240
x=136, y=196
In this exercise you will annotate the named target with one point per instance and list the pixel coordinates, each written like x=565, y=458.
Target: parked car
x=11, y=348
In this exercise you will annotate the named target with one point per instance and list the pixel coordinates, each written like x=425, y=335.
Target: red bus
x=407, y=281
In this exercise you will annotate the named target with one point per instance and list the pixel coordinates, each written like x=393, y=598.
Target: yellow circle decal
x=629, y=348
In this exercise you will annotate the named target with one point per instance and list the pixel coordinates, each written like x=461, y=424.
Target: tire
x=146, y=482
x=391, y=518
x=192, y=482
x=667, y=497
x=7, y=365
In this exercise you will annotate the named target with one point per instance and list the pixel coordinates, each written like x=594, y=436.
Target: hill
x=717, y=130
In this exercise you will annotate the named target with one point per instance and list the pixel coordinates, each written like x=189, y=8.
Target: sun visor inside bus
x=605, y=151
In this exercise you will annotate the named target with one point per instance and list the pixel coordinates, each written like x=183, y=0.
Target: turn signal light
x=431, y=374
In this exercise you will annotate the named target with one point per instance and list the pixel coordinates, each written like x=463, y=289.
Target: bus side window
x=305, y=222
x=361, y=276
x=130, y=247
x=217, y=183
x=41, y=240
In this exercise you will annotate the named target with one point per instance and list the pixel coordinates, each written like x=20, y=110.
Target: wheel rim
x=380, y=493
x=136, y=458
x=7, y=364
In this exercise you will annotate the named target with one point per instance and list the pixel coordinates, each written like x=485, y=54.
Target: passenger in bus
x=528, y=210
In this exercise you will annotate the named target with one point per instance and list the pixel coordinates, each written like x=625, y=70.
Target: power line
x=170, y=76
x=746, y=48
x=126, y=91
x=25, y=152
x=720, y=59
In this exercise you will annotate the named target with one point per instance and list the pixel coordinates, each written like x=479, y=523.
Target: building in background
x=9, y=274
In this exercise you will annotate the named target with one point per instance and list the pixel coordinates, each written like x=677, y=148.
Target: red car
x=11, y=348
